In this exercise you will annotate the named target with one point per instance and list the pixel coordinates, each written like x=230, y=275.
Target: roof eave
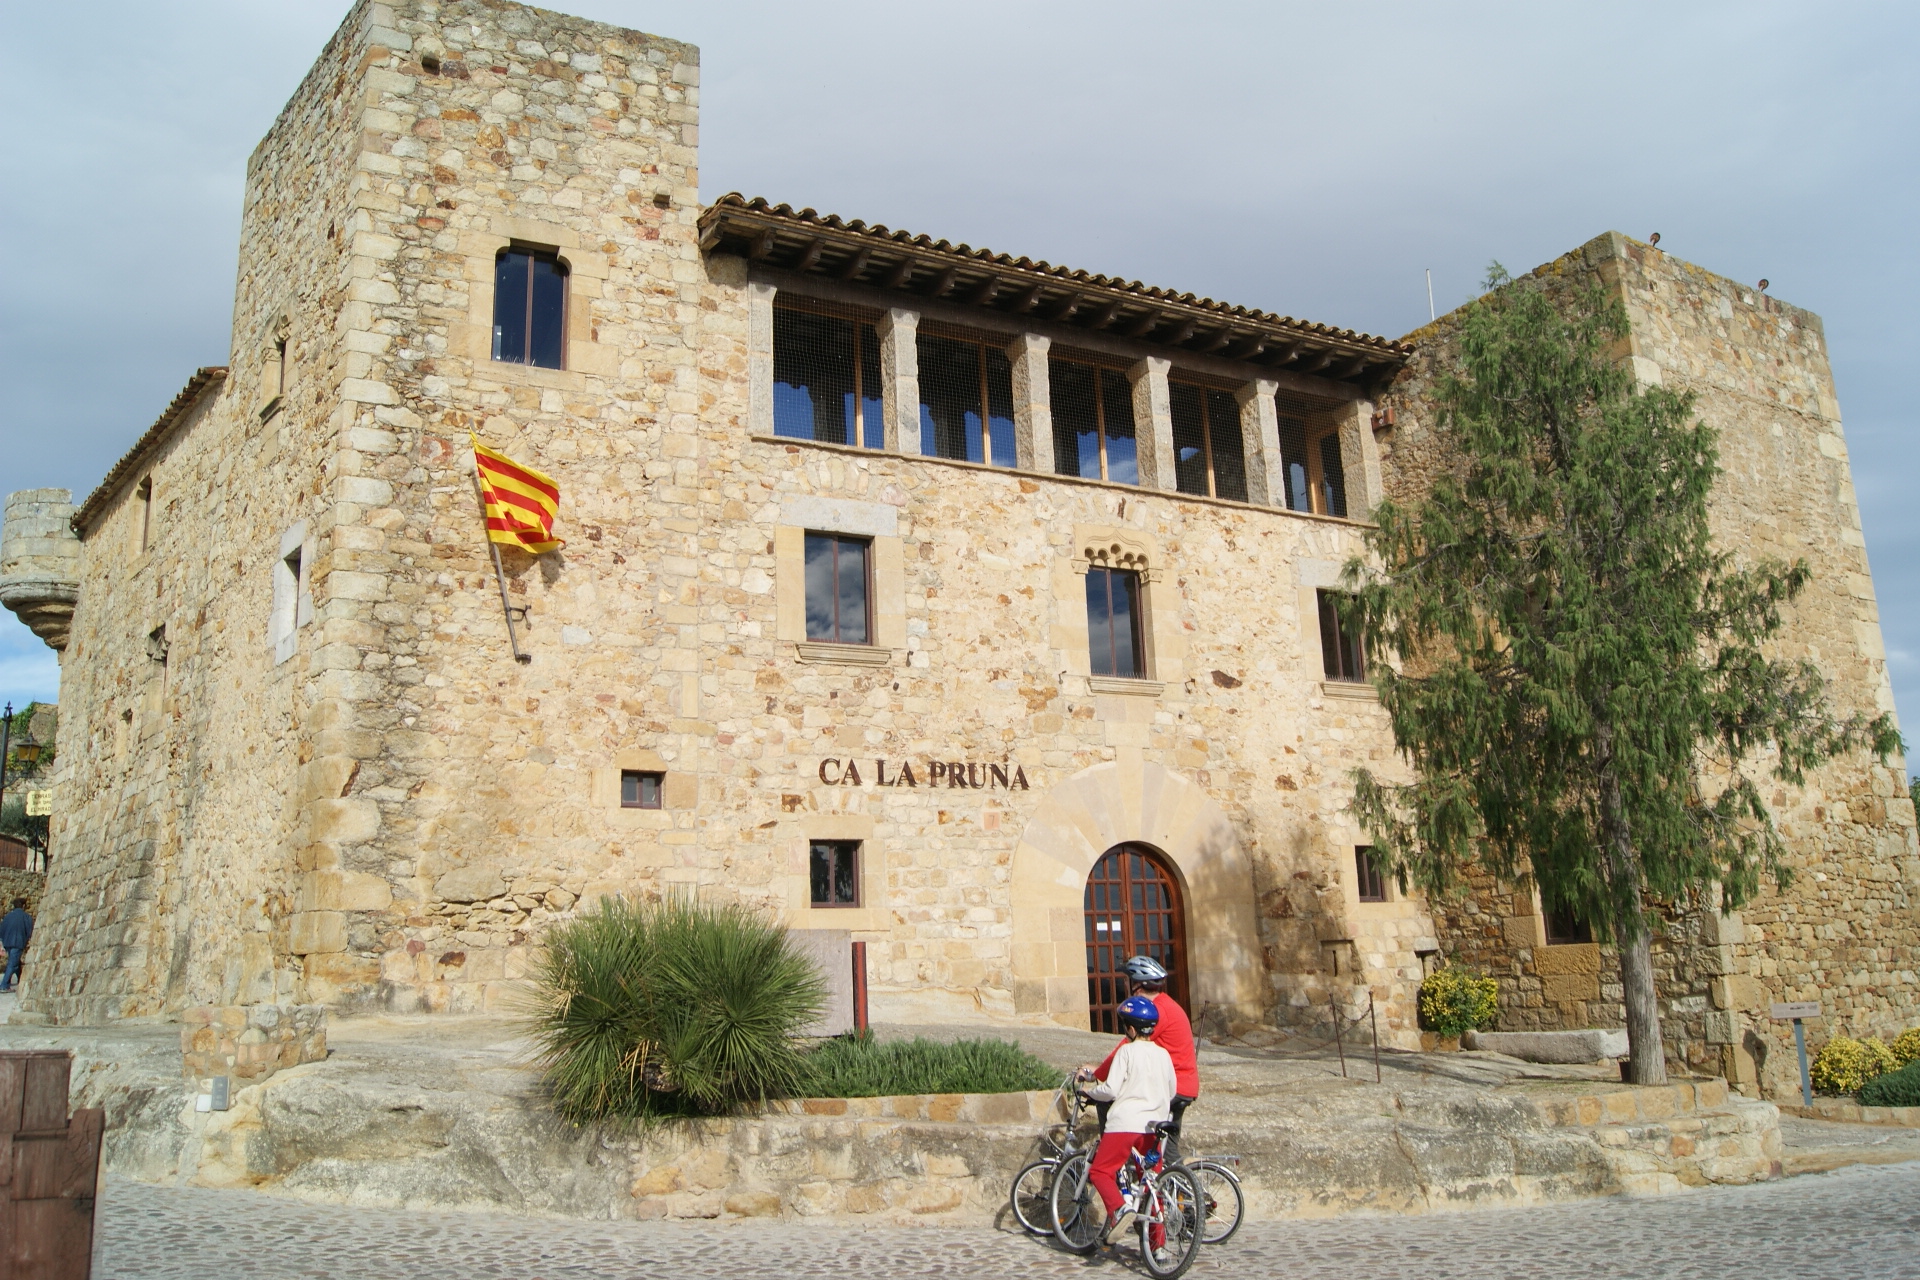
x=145, y=447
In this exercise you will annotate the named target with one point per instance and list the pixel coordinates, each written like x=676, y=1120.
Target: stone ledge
x=1645, y=1103
x=851, y=655
x=1126, y=685
x=1848, y=1111
x=1550, y=1046
x=941, y=1108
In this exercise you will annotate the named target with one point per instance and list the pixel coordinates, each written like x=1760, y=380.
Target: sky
x=1313, y=160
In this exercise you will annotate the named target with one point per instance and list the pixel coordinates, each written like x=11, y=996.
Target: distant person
x=16, y=931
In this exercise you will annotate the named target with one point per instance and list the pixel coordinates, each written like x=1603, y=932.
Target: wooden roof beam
x=857, y=263
x=902, y=271
x=811, y=254
x=762, y=245
x=1145, y=325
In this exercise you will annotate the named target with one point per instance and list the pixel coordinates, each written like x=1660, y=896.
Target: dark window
x=640, y=790
x=1333, y=478
x=1565, y=925
x=1093, y=434
x=966, y=401
x=1113, y=622
x=143, y=513
x=826, y=378
x=1373, y=885
x=833, y=868
x=837, y=589
x=529, y=308
x=1339, y=642
x=1312, y=475
x=1208, y=457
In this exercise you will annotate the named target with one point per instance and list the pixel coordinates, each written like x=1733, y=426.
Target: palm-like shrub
x=652, y=1009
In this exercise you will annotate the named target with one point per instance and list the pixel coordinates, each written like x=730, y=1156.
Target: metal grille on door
x=1132, y=908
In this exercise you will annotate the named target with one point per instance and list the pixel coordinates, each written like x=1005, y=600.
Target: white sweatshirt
x=1140, y=1084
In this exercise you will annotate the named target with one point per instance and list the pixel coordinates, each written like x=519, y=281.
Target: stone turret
x=40, y=562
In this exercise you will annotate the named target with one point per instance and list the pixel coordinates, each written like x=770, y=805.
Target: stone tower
x=40, y=562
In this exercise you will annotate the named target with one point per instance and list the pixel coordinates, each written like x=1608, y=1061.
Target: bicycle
x=1032, y=1193
x=1160, y=1194
x=1219, y=1186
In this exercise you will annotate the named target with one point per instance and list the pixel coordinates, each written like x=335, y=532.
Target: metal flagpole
x=499, y=574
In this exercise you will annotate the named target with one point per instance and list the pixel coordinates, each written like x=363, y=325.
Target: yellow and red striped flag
x=520, y=501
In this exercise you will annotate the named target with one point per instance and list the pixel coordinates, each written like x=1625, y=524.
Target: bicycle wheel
x=1075, y=1223
x=1032, y=1196
x=1220, y=1193
x=1176, y=1205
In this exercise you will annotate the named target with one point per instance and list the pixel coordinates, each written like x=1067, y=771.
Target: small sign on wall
x=1788, y=1011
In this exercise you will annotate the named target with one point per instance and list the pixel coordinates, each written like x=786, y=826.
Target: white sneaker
x=1118, y=1224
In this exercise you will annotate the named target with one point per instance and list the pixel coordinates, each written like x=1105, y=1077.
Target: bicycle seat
x=1164, y=1127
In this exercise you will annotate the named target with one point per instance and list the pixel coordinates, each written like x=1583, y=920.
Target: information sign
x=1787, y=1012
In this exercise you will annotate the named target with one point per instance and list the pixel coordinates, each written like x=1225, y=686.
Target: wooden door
x=1133, y=908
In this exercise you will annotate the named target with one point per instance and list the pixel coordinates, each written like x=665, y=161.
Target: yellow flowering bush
x=1844, y=1064
x=1906, y=1046
x=1453, y=1001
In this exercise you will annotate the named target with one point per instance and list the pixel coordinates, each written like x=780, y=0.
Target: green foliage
x=862, y=1067
x=646, y=1010
x=1906, y=1046
x=1843, y=1064
x=1574, y=671
x=1894, y=1089
x=1453, y=1001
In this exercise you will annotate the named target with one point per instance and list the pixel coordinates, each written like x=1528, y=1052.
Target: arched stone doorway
x=1123, y=802
x=1133, y=907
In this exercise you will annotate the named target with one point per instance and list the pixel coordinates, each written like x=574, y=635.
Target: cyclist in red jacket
x=1148, y=977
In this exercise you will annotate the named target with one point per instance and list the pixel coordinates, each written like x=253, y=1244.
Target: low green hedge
x=1894, y=1089
x=859, y=1066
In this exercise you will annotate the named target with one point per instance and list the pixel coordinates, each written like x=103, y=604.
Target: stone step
x=1633, y=1105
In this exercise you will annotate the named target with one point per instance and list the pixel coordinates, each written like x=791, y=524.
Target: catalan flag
x=520, y=501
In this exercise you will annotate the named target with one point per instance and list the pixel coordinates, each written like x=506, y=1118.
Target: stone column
x=760, y=358
x=1153, y=422
x=900, y=379
x=1032, y=403
x=1360, y=459
x=1260, y=438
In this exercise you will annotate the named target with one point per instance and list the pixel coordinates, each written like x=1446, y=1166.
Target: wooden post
x=49, y=1170
x=860, y=987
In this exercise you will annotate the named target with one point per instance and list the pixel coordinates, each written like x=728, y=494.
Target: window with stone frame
x=1208, y=456
x=640, y=788
x=839, y=588
x=1341, y=654
x=530, y=308
x=1313, y=475
x=1114, y=630
x=1367, y=876
x=1093, y=431
x=966, y=399
x=833, y=873
x=826, y=374
x=143, y=516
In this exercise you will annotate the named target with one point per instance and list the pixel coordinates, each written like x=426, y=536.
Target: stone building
x=937, y=596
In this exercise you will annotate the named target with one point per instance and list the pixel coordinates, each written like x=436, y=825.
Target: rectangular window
x=966, y=401
x=1093, y=435
x=1373, y=885
x=1313, y=476
x=837, y=581
x=1565, y=926
x=1340, y=649
x=286, y=605
x=640, y=790
x=826, y=378
x=1208, y=456
x=833, y=870
x=1113, y=623
x=529, y=308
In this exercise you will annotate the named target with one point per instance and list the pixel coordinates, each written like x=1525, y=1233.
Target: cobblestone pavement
x=1854, y=1224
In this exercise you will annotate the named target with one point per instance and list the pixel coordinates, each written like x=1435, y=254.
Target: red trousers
x=1108, y=1159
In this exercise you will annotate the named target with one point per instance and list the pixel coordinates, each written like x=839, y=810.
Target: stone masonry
x=299, y=764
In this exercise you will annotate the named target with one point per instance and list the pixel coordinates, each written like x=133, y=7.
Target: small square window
x=1373, y=885
x=1566, y=926
x=639, y=790
x=833, y=870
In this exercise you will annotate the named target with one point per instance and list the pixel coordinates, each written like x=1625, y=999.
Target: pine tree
x=1578, y=677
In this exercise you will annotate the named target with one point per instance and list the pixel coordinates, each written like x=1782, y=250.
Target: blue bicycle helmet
x=1140, y=1012
x=1144, y=969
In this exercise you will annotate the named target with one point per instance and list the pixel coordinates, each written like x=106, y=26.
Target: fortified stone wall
x=1847, y=931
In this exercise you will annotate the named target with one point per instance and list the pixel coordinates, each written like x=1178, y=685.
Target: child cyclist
x=1139, y=1087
